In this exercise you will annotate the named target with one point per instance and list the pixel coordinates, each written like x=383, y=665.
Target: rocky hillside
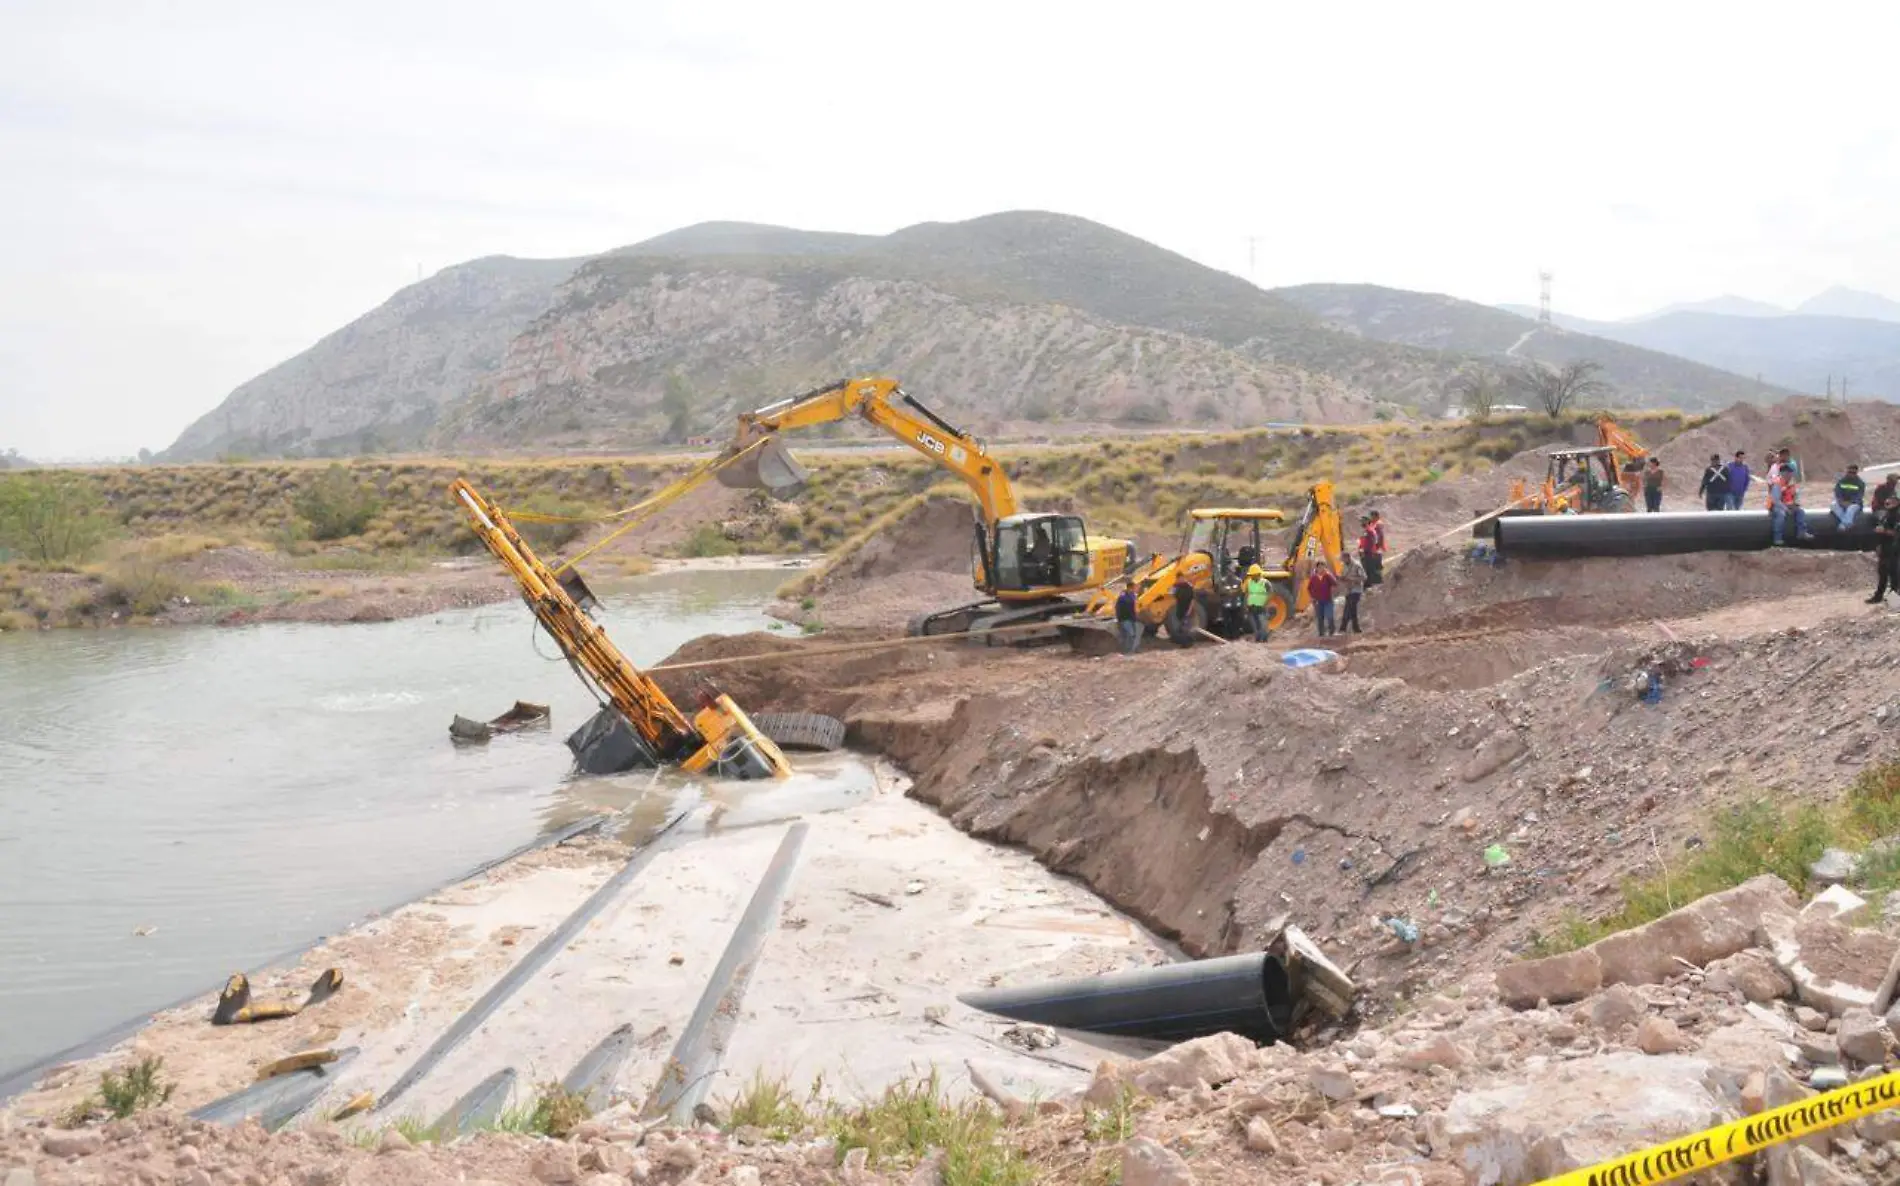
x=378, y=383
x=1643, y=377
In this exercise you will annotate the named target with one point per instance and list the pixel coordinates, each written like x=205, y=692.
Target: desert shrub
x=337, y=504
x=51, y=518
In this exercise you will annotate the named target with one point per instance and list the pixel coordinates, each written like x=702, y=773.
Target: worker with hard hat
x=1256, y=592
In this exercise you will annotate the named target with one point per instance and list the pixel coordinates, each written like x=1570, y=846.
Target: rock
x=1616, y=1008
x=1754, y=1093
x=1213, y=1060
x=1834, y=967
x=1659, y=1035
x=80, y=1142
x=1441, y=1051
x=1818, y=1049
x=684, y=1154
x=1838, y=903
x=928, y=1172
x=1260, y=1136
x=1705, y=930
x=1810, y=1019
x=188, y=1156
x=393, y=1142
x=1834, y=866
x=1332, y=1081
x=557, y=1165
x=1801, y=1166
x=1828, y=1078
x=197, y=1177
x=1863, y=1037
x=1106, y=1085
x=1881, y=1127
x=1558, y=979
x=1568, y=1115
x=1751, y=973
x=608, y=1159
x=1147, y=1163
x=21, y=1176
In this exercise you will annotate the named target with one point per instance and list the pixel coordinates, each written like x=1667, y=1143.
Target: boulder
x=1148, y=1163
x=1863, y=1037
x=1838, y=903
x=1105, y=1085
x=1834, y=967
x=1332, y=1081
x=1616, y=1008
x=1209, y=1061
x=1659, y=1035
x=1260, y=1136
x=1705, y=930
x=1569, y=1115
x=1441, y=1051
x=79, y=1142
x=1751, y=973
x=1738, y=1051
x=1833, y=866
x=1558, y=979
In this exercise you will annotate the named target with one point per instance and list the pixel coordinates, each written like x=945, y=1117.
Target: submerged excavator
x=1030, y=567
x=638, y=724
x=1220, y=545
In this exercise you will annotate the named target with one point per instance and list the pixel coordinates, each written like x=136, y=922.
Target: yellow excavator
x=1221, y=544
x=638, y=724
x=1030, y=567
x=1604, y=478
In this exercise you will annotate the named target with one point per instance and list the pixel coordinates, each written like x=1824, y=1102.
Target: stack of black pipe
x=1563, y=537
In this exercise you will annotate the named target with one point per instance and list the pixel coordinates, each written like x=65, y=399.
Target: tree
x=336, y=505
x=51, y=518
x=1479, y=391
x=1555, y=389
x=677, y=404
x=145, y=457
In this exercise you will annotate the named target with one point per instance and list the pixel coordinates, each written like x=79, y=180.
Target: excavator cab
x=1585, y=481
x=1039, y=551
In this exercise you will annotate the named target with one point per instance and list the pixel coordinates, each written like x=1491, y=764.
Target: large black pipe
x=1567, y=537
x=1243, y=994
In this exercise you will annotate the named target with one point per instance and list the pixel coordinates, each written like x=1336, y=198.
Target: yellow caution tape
x=1726, y=1142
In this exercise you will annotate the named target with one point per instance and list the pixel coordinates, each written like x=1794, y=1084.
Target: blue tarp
x=1310, y=657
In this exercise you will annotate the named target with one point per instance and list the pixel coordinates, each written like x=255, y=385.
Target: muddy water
x=236, y=793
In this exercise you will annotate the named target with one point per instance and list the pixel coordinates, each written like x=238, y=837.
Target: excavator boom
x=719, y=737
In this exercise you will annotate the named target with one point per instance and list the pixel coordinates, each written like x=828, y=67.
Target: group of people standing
x=1358, y=571
x=1725, y=483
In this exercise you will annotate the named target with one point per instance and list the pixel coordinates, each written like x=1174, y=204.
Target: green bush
x=337, y=504
x=51, y=518
x=708, y=540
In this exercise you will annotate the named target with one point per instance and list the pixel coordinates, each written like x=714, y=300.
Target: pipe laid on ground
x=480, y=1105
x=688, y=1072
x=1668, y=533
x=275, y=1102
x=529, y=964
x=1243, y=994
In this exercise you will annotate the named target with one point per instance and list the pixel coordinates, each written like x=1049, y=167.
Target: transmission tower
x=1543, y=297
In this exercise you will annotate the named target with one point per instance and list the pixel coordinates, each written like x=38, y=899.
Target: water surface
x=239, y=792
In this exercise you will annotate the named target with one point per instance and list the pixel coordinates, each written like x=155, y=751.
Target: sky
x=195, y=190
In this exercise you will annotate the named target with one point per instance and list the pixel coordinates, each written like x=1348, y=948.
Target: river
x=181, y=803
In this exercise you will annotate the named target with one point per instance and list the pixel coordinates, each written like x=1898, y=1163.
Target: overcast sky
x=193, y=191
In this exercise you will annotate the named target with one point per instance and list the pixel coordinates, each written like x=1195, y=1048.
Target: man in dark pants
x=1181, y=617
x=1353, y=581
x=1714, y=488
x=1887, y=528
x=1372, y=549
x=1653, y=485
x=1127, y=625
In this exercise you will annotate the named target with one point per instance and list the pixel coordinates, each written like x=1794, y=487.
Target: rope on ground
x=1727, y=1142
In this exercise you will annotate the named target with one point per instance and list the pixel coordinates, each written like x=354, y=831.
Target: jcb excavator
x=1028, y=566
x=1220, y=546
x=638, y=724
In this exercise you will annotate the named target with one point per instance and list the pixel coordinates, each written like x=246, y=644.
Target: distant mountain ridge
x=1006, y=320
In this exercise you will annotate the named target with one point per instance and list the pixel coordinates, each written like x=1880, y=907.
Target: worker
x=1181, y=615
x=1127, y=624
x=1784, y=503
x=1889, y=488
x=1352, y=579
x=1372, y=548
x=1653, y=485
x=1320, y=586
x=1714, y=488
x=1850, y=495
x=1737, y=480
x=1887, y=558
x=1255, y=592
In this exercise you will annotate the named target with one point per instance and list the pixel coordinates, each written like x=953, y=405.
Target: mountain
x=1797, y=351
x=1849, y=302
x=1728, y=305
x=379, y=382
x=1643, y=377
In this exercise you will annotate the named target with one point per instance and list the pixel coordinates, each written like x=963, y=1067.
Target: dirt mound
x=1426, y=515
x=1824, y=437
x=932, y=536
x=1447, y=589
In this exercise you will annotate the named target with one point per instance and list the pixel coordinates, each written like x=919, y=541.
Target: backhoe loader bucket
x=769, y=466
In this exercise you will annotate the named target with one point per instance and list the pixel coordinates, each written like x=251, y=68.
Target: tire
x=1279, y=606
x=801, y=730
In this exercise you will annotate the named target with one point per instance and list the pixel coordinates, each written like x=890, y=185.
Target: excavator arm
x=719, y=737
x=1319, y=536
x=884, y=403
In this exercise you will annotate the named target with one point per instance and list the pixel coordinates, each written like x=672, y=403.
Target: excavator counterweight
x=638, y=724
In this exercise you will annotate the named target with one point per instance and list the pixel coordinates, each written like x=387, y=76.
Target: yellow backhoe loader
x=1030, y=567
x=1221, y=544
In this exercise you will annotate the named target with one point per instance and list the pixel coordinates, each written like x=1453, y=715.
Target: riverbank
x=196, y=582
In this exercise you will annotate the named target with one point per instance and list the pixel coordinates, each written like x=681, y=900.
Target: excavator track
x=975, y=621
x=801, y=730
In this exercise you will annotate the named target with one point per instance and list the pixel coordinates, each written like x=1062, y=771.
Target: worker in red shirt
x=1372, y=548
x=1320, y=586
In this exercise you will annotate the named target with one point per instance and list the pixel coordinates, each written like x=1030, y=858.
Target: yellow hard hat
x=1254, y=570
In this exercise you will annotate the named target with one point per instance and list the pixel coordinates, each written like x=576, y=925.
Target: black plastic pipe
x=1242, y=994
x=276, y=1101
x=1569, y=537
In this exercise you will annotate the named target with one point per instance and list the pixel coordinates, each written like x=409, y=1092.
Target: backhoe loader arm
x=884, y=403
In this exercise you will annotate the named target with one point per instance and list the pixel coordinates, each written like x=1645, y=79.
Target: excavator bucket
x=768, y=466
